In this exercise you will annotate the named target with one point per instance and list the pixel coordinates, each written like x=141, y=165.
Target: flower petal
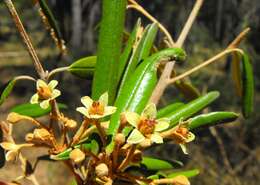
x=9, y=146
x=184, y=149
x=156, y=138
x=11, y=155
x=109, y=110
x=41, y=83
x=83, y=111
x=162, y=124
x=55, y=94
x=150, y=111
x=45, y=104
x=190, y=138
x=86, y=101
x=135, y=137
x=53, y=84
x=96, y=116
x=104, y=99
x=34, y=99
x=132, y=118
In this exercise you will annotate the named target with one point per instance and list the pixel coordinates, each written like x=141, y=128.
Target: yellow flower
x=45, y=93
x=146, y=126
x=13, y=149
x=182, y=135
x=96, y=109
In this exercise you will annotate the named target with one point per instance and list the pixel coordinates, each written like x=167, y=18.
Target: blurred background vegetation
x=225, y=155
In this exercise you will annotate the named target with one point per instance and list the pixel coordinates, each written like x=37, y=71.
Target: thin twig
x=128, y=158
x=189, y=22
x=26, y=39
x=139, y=8
x=162, y=83
x=209, y=61
x=57, y=70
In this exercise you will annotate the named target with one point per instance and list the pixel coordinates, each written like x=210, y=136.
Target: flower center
x=44, y=93
x=96, y=108
x=147, y=126
x=183, y=131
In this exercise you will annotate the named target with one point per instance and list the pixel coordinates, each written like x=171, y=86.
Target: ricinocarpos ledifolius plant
x=120, y=120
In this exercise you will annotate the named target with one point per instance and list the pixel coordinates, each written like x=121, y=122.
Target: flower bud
x=101, y=170
x=14, y=117
x=77, y=156
x=120, y=139
x=29, y=137
x=70, y=124
x=42, y=134
x=137, y=156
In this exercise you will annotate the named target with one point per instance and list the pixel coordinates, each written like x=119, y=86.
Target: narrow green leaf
x=188, y=173
x=139, y=88
x=247, y=87
x=33, y=110
x=168, y=109
x=187, y=89
x=158, y=164
x=128, y=49
x=210, y=119
x=7, y=90
x=84, y=67
x=141, y=52
x=109, y=48
x=192, y=107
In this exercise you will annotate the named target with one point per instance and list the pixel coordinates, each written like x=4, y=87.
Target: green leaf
x=141, y=52
x=84, y=67
x=139, y=88
x=187, y=89
x=33, y=110
x=192, y=107
x=128, y=49
x=188, y=173
x=158, y=164
x=7, y=90
x=90, y=145
x=247, y=87
x=210, y=119
x=109, y=48
x=169, y=109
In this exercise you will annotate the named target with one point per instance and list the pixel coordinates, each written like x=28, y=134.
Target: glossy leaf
x=210, y=119
x=141, y=52
x=247, y=87
x=7, y=90
x=192, y=107
x=33, y=110
x=138, y=90
x=158, y=164
x=84, y=67
x=169, y=109
x=187, y=173
x=91, y=145
x=123, y=61
x=109, y=48
x=187, y=89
